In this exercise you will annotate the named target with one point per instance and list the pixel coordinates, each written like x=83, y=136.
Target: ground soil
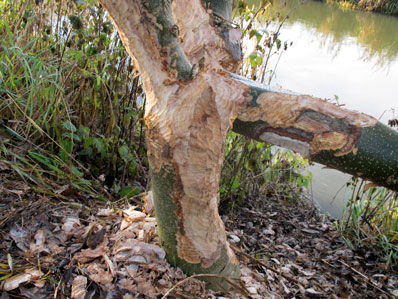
x=69, y=245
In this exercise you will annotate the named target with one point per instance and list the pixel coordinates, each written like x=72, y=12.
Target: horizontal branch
x=346, y=140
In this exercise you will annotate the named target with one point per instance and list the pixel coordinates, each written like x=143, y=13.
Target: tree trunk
x=184, y=50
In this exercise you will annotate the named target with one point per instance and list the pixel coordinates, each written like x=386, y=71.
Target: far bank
x=388, y=7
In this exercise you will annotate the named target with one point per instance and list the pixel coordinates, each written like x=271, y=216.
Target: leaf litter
x=55, y=249
x=301, y=254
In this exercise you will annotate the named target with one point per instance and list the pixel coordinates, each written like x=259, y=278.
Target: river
x=348, y=55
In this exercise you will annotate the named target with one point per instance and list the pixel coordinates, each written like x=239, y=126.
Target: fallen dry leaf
x=293, y=241
x=72, y=227
x=79, y=285
x=20, y=235
x=94, y=238
x=15, y=281
x=139, y=247
x=145, y=287
x=87, y=255
x=38, y=246
x=40, y=283
x=110, y=265
x=148, y=203
x=132, y=215
x=105, y=212
x=137, y=259
x=97, y=274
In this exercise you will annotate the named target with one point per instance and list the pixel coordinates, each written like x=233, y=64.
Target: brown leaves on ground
x=72, y=250
x=127, y=263
x=301, y=255
x=64, y=249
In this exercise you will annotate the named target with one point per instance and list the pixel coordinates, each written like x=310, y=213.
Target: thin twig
x=21, y=13
x=261, y=8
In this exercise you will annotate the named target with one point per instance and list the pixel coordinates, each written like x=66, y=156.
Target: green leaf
x=76, y=138
x=88, y=142
x=47, y=161
x=4, y=277
x=259, y=36
x=70, y=136
x=69, y=126
x=66, y=150
x=99, y=145
x=11, y=131
x=76, y=171
x=252, y=33
x=124, y=153
x=77, y=55
x=255, y=60
x=83, y=132
x=235, y=184
x=259, y=60
x=86, y=152
x=86, y=74
x=278, y=43
x=130, y=191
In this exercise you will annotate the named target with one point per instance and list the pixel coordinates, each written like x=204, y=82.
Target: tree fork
x=184, y=50
x=188, y=113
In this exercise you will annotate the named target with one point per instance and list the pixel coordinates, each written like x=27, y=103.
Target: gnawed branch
x=346, y=140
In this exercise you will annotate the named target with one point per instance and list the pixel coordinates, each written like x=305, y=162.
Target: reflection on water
x=351, y=54
x=376, y=33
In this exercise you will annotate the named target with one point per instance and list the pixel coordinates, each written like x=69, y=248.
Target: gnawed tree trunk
x=185, y=51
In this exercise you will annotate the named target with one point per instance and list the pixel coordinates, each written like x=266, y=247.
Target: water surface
x=351, y=55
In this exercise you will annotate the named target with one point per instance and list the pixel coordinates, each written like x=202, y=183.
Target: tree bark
x=185, y=51
x=189, y=108
x=348, y=141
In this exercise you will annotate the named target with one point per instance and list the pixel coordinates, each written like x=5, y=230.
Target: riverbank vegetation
x=389, y=7
x=371, y=219
x=71, y=117
x=72, y=98
x=72, y=106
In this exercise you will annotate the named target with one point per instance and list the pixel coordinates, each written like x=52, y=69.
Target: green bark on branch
x=371, y=148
